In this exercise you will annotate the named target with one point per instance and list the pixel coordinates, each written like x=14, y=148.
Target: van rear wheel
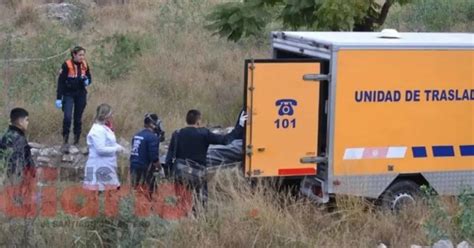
x=401, y=194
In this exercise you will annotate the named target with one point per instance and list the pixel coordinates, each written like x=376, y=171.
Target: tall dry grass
x=238, y=214
x=181, y=66
x=241, y=215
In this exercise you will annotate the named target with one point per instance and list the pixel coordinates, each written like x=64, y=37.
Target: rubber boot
x=65, y=146
x=76, y=139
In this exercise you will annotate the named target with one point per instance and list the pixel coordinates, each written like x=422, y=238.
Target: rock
x=64, y=149
x=73, y=150
x=35, y=151
x=444, y=243
x=464, y=244
x=416, y=246
x=44, y=160
x=36, y=145
x=68, y=158
x=49, y=152
x=64, y=12
x=84, y=150
x=381, y=245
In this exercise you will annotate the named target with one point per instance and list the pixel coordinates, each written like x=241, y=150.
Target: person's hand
x=120, y=149
x=59, y=104
x=242, y=119
x=86, y=81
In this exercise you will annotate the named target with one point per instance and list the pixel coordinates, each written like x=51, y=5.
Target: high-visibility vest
x=72, y=69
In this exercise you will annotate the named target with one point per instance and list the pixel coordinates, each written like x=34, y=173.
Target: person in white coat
x=101, y=168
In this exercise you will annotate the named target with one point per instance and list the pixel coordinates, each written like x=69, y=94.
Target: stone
x=416, y=246
x=444, y=243
x=84, y=150
x=73, y=150
x=44, y=160
x=44, y=152
x=63, y=12
x=464, y=244
x=35, y=151
x=49, y=152
x=65, y=149
x=381, y=245
x=36, y=145
x=68, y=158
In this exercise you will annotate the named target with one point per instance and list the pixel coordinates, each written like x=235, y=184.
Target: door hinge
x=249, y=150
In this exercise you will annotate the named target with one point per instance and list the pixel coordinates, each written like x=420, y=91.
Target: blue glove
x=59, y=104
x=86, y=82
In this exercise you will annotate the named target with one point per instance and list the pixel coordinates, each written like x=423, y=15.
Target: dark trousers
x=73, y=107
x=143, y=177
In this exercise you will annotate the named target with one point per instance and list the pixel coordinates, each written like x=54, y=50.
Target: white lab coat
x=101, y=167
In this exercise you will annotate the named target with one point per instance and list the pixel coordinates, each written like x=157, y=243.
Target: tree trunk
x=374, y=19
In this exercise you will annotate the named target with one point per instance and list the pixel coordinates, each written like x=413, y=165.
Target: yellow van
x=372, y=114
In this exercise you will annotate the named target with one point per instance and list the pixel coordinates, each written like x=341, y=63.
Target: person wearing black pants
x=190, y=144
x=71, y=95
x=144, y=156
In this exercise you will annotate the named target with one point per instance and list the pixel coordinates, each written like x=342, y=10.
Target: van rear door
x=283, y=120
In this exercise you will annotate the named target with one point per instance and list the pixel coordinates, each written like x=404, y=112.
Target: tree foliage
x=235, y=20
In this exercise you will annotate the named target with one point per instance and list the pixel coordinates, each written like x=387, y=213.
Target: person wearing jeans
x=71, y=97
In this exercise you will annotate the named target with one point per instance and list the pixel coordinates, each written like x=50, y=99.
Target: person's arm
x=216, y=139
x=88, y=74
x=170, y=155
x=237, y=133
x=98, y=142
x=61, y=82
x=30, y=167
x=17, y=155
x=153, y=150
x=29, y=158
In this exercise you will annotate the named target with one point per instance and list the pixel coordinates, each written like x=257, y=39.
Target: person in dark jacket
x=144, y=156
x=15, y=153
x=192, y=142
x=71, y=96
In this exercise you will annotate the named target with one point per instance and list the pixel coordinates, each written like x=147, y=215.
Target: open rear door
x=283, y=117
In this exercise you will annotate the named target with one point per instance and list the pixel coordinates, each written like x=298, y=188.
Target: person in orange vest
x=74, y=78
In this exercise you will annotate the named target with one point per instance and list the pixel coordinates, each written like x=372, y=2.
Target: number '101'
x=285, y=123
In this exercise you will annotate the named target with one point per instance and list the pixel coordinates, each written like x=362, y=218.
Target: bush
x=116, y=54
x=453, y=221
x=434, y=16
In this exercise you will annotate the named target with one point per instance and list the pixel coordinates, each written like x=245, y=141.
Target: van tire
x=400, y=194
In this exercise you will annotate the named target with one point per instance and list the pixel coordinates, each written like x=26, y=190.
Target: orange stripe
x=297, y=171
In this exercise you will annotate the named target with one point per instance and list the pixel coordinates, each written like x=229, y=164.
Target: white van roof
x=373, y=40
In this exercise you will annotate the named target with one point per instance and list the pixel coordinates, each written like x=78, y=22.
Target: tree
x=235, y=20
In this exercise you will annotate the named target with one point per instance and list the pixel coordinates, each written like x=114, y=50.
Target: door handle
x=316, y=77
x=261, y=149
x=313, y=160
